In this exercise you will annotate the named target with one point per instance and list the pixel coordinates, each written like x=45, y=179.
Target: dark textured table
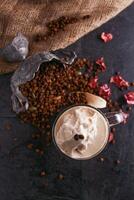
x=83, y=180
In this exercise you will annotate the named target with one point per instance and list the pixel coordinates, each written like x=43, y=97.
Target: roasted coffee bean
x=60, y=177
x=43, y=173
x=102, y=159
x=129, y=108
x=86, y=17
x=132, y=84
x=76, y=137
x=117, y=162
x=81, y=137
x=7, y=126
x=30, y=146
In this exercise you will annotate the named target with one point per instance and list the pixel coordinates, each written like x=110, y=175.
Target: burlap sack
x=30, y=18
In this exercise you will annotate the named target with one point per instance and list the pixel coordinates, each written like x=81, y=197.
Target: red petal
x=101, y=63
x=106, y=37
x=111, y=137
x=125, y=116
x=93, y=82
x=119, y=81
x=129, y=97
x=105, y=91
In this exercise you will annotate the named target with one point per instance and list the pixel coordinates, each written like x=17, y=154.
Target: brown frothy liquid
x=85, y=121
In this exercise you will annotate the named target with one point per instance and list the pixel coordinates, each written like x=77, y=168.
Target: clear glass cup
x=110, y=119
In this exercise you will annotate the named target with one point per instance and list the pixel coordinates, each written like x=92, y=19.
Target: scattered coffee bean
x=30, y=146
x=132, y=84
x=60, y=177
x=102, y=159
x=41, y=152
x=35, y=136
x=129, y=108
x=43, y=173
x=121, y=89
x=7, y=126
x=37, y=150
x=38, y=37
x=117, y=162
x=117, y=73
x=86, y=17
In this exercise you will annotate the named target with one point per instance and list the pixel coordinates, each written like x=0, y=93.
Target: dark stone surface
x=83, y=180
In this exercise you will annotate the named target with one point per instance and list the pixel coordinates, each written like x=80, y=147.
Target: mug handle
x=114, y=118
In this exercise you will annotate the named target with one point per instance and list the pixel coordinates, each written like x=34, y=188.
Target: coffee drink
x=81, y=132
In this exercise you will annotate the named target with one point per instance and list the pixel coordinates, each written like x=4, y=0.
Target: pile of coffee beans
x=56, y=26
x=55, y=87
x=59, y=24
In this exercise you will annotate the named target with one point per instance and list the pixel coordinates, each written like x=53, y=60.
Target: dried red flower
x=93, y=82
x=101, y=63
x=129, y=97
x=111, y=137
x=106, y=37
x=119, y=81
x=105, y=91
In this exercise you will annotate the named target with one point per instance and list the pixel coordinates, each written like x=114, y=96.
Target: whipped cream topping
x=78, y=131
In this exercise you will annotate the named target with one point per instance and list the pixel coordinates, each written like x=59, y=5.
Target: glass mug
x=107, y=120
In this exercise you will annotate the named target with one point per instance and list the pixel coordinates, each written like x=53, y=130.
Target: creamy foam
x=85, y=122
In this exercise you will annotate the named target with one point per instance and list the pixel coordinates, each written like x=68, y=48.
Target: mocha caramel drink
x=81, y=132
